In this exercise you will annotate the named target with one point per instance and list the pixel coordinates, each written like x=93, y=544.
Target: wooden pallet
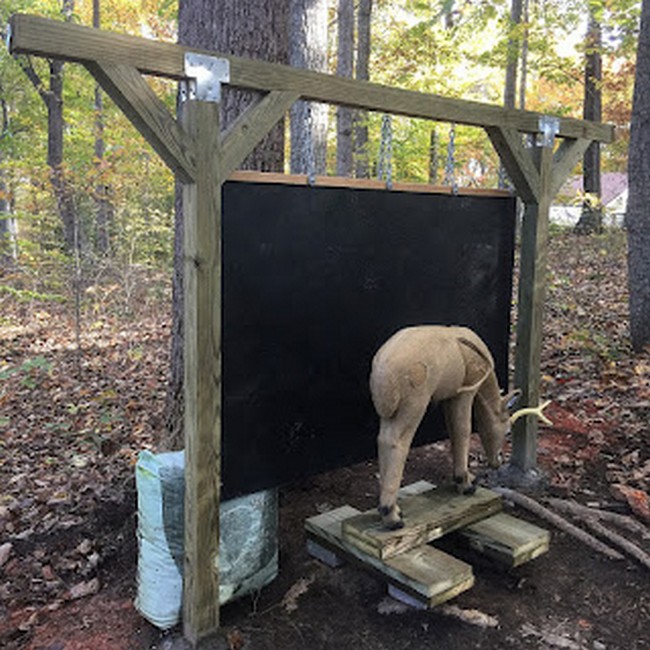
x=417, y=572
x=425, y=573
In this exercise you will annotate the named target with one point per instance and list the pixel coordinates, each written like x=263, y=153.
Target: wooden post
x=202, y=248
x=532, y=277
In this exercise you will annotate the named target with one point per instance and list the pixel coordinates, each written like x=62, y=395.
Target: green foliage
x=447, y=47
x=31, y=371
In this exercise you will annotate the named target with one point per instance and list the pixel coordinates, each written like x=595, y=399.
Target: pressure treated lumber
x=149, y=115
x=532, y=283
x=70, y=42
x=250, y=176
x=202, y=340
x=506, y=539
x=427, y=516
x=425, y=573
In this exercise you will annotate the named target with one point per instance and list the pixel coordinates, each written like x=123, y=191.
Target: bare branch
x=559, y=522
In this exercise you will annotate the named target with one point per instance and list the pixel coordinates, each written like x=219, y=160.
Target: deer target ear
x=511, y=398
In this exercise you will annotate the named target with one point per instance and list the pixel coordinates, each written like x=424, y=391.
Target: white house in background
x=568, y=204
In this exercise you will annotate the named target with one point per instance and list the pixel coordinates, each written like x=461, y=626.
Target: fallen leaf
x=83, y=589
x=290, y=600
x=470, y=616
x=5, y=552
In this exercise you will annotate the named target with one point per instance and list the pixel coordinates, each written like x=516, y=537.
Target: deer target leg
x=394, y=443
x=458, y=414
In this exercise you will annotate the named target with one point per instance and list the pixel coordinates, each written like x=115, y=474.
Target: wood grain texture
x=567, y=156
x=149, y=115
x=517, y=160
x=360, y=183
x=426, y=573
x=533, y=262
x=40, y=36
x=506, y=539
x=202, y=212
x=252, y=126
x=427, y=516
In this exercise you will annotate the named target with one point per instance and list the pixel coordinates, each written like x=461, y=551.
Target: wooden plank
x=250, y=127
x=149, y=115
x=249, y=176
x=202, y=212
x=71, y=42
x=517, y=160
x=506, y=539
x=427, y=516
x=532, y=279
x=425, y=573
x=567, y=156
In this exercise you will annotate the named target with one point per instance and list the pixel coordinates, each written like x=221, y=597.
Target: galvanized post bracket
x=205, y=74
x=549, y=127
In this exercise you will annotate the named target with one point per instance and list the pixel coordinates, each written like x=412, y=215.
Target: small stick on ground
x=620, y=541
x=558, y=522
x=590, y=517
x=581, y=512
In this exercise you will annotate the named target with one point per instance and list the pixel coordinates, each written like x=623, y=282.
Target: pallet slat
x=506, y=539
x=428, y=516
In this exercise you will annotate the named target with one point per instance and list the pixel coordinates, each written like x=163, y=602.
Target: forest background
x=86, y=207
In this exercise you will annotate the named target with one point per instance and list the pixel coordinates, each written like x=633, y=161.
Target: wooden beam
x=250, y=176
x=250, y=127
x=202, y=213
x=532, y=278
x=148, y=114
x=567, y=156
x=70, y=42
x=517, y=160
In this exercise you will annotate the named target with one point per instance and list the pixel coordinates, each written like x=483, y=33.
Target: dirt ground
x=67, y=500
x=569, y=598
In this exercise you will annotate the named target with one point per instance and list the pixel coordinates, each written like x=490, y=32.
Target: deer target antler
x=532, y=410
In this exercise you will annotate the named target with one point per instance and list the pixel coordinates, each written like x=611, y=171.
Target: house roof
x=613, y=184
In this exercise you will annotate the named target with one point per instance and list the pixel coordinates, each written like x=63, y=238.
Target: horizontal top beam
x=70, y=42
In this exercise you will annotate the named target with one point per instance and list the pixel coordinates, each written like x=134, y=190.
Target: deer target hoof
x=463, y=486
x=391, y=517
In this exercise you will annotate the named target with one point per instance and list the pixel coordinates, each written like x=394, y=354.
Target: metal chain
x=308, y=154
x=385, y=163
x=450, y=166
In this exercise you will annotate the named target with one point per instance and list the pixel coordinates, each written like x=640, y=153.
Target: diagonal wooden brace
x=127, y=88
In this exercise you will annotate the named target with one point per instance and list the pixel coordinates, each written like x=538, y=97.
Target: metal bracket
x=205, y=74
x=549, y=127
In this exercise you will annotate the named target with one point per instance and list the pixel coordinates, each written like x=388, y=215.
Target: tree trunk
x=52, y=97
x=344, y=67
x=591, y=219
x=361, y=153
x=525, y=43
x=103, y=206
x=63, y=193
x=512, y=63
x=255, y=29
x=258, y=29
x=8, y=249
x=308, y=49
x=637, y=219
